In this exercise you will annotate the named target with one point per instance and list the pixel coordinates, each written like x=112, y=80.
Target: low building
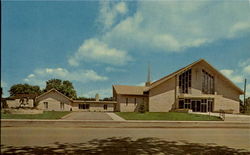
x=53, y=100
x=198, y=86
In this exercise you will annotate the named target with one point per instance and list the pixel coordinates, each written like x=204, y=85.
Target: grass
x=45, y=115
x=247, y=112
x=170, y=116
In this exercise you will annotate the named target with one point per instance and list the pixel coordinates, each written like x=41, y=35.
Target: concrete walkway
x=87, y=116
x=228, y=117
x=115, y=117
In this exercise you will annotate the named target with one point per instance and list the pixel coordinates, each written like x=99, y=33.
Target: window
x=105, y=106
x=181, y=104
x=62, y=105
x=185, y=81
x=187, y=104
x=126, y=101
x=46, y=106
x=207, y=83
x=87, y=106
x=135, y=101
x=83, y=106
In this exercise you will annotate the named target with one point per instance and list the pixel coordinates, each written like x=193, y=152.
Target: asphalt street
x=108, y=140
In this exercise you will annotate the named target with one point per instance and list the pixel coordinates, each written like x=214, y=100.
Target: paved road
x=87, y=116
x=50, y=140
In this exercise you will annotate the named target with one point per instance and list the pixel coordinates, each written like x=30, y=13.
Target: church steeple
x=148, y=82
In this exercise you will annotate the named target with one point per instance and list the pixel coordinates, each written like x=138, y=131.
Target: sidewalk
x=115, y=117
x=122, y=124
x=228, y=117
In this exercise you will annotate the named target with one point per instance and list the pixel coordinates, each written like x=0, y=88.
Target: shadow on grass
x=127, y=145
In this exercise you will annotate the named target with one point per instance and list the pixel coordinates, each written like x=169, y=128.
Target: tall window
x=185, y=81
x=46, y=106
x=105, y=106
x=135, y=101
x=207, y=83
x=62, y=105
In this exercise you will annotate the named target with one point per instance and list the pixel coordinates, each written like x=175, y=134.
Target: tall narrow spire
x=148, y=82
x=149, y=73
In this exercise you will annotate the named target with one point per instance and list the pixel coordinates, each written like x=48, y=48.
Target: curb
x=122, y=124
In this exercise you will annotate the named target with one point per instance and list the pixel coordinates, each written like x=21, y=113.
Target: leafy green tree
x=65, y=87
x=24, y=89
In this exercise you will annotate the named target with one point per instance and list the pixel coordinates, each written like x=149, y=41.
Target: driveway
x=87, y=116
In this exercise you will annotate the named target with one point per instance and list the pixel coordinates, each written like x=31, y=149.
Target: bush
x=141, y=108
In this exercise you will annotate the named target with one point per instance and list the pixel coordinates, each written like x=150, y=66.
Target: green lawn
x=171, y=116
x=45, y=115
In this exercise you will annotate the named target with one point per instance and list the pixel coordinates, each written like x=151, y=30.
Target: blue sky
x=97, y=44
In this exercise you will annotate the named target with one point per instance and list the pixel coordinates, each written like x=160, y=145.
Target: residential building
x=54, y=100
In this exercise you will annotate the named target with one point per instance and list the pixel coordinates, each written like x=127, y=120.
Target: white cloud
x=243, y=63
x=141, y=84
x=31, y=76
x=3, y=84
x=39, y=76
x=112, y=69
x=177, y=25
x=246, y=69
x=97, y=51
x=166, y=26
x=232, y=76
x=121, y=8
x=109, y=11
x=107, y=92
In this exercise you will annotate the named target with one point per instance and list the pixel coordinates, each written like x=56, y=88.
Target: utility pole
x=245, y=106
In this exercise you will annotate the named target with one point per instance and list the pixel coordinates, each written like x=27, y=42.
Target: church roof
x=129, y=90
x=156, y=83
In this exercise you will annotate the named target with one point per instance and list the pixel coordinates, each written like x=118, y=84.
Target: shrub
x=141, y=108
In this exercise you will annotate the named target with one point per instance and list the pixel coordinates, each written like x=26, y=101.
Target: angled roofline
x=165, y=78
x=113, y=86
x=53, y=89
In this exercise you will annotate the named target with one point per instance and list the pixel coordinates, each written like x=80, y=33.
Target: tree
x=65, y=87
x=24, y=89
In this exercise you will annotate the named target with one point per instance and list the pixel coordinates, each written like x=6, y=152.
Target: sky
x=96, y=44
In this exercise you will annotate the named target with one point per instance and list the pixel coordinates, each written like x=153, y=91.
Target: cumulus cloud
x=3, y=84
x=246, y=69
x=173, y=26
x=98, y=51
x=109, y=11
x=243, y=63
x=232, y=76
x=112, y=69
x=163, y=26
x=39, y=76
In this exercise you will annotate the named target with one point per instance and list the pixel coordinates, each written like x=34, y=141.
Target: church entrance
x=197, y=105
